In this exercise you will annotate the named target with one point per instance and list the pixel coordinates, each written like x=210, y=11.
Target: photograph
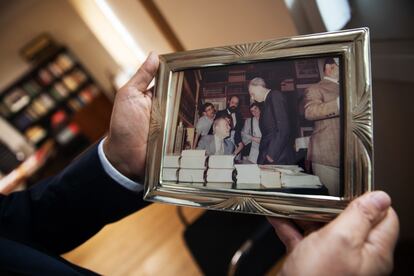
x=273, y=125
x=278, y=128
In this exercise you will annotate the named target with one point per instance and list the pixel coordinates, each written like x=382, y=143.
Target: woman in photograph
x=251, y=133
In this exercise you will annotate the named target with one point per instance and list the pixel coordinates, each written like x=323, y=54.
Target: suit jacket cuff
x=115, y=174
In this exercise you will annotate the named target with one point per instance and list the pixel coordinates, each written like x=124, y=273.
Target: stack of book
x=289, y=176
x=300, y=180
x=248, y=175
x=220, y=168
x=192, y=166
x=270, y=177
x=170, y=168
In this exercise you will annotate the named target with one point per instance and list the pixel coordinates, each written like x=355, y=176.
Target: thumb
x=145, y=73
x=357, y=220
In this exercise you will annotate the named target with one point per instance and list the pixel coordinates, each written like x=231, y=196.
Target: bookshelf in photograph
x=41, y=103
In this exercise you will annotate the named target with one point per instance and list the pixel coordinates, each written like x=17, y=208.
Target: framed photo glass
x=278, y=128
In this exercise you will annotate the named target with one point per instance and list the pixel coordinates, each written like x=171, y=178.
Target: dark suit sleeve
x=63, y=211
x=280, y=135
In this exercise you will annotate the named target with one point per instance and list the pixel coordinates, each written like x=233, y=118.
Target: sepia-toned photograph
x=273, y=125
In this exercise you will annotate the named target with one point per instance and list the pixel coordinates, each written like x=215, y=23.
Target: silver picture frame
x=352, y=46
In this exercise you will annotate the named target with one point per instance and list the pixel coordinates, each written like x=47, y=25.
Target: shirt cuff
x=115, y=174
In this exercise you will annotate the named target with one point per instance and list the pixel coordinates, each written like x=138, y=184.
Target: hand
x=256, y=139
x=126, y=144
x=360, y=241
x=269, y=158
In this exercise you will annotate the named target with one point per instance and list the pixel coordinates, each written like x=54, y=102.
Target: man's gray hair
x=215, y=123
x=258, y=82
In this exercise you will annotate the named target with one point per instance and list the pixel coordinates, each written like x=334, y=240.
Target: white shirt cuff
x=115, y=174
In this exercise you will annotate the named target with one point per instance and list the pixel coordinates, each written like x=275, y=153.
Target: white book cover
x=270, y=178
x=248, y=186
x=248, y=173
x=219, y=185
x=300, y=180
x=221, y=161
x=169, y=174
x=220, y=175
x=193, y=153
x=191, y=175
x=193, y=162
x=171, y=161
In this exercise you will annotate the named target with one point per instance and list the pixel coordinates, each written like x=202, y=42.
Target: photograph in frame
x=265, y=128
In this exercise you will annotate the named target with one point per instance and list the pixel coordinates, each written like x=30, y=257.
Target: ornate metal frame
x=351, y=45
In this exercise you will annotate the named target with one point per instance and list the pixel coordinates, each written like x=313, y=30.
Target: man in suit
x=60, y=213
x=322, y=107
x=217, y=143
x=232, y=110
x=275, y=147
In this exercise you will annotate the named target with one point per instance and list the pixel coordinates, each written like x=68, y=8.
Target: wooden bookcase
x=51, y=102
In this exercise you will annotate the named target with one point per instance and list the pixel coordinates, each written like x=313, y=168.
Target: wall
x=20, y=21
x=201, y=24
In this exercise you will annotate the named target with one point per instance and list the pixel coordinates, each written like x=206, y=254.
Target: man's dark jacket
x=58, y=214
x=237, y=126
x=275, y=128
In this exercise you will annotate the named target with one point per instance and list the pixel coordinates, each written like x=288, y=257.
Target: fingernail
x=381, y=200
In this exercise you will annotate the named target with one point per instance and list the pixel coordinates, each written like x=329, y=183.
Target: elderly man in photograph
x=275, y=147
x=322, y=107
x=217, y=143
x=232, y=110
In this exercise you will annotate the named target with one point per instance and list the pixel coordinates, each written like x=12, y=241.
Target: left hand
x=126, y=144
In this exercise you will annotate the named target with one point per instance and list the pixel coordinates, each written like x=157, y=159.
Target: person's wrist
x=117, y=161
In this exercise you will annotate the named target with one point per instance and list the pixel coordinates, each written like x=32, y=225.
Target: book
x=220, y=175
x=169, y=174
x=191, y=175
x=193, y=153
x=171, y=161
x=248, y=173
x=221, y=161
x=270, y=178
x=193, y=162
x=300, y=180
x=219, y=185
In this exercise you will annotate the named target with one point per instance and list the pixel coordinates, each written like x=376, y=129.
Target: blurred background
x=61, y=62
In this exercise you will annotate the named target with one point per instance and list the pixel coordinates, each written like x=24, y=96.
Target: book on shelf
x=191, y=175
x=221, y=161
x=171, y=161
x=170, y=174
x=247, y=173
x=220, y=175
x=16, y=100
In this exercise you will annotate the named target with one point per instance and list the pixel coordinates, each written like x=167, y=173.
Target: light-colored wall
x=201, y=24
x=20, y=21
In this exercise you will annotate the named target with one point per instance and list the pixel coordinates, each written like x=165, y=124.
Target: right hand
x=360, y=241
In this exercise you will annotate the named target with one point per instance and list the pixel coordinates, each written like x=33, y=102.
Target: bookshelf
x=41, y=103
x=51, y=104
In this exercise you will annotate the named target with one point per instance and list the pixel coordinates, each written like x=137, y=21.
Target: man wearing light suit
x=216, y=143
x=322, y=107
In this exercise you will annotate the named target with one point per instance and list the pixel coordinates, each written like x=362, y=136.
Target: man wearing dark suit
x=237, y=121
x=60, y=213
x=274, y=124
